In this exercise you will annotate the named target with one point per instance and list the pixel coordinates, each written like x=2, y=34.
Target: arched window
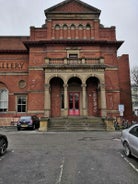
x=57, y=31
x=3, y=100
x=88, y=31
x=72, y=31
x=88, y=27
x=72, y=27
x=65, y=27
x=57, y=27
x=80, y=27
x=65, y=32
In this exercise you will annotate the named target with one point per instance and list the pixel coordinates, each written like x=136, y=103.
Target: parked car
x=32, y=122
x=129, y=139
x=3, y=144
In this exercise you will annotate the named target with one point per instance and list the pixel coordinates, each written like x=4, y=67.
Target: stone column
x=47, y=101
x=77, y=34
x=84, y=33
x=61, y=33
x=65, y=99
x=53, y=33
x=103, y=101
x=68, y=35
x=84, y=99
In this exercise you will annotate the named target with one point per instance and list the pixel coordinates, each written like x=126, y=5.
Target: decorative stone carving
x=22, y=84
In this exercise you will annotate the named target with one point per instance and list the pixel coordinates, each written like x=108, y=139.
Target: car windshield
x=134, y=131
x=25, y=118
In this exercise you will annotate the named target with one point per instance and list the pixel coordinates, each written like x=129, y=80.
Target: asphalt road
x=66, y=158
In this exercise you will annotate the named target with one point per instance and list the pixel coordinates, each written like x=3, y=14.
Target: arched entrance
x=93, y=96
x=56, y=90
x=74, y=96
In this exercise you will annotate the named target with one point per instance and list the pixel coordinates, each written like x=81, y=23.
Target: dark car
x=32, y=122
x=3, y=144
x=129, y=138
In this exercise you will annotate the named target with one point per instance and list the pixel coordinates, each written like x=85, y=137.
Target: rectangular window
x=21, y=103
x=73, y=56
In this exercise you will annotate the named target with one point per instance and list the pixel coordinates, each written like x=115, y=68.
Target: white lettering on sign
x=121, y=107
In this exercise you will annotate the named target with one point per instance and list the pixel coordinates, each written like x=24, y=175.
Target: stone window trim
x=21, y=103
x=73, y=53
x=22, y=84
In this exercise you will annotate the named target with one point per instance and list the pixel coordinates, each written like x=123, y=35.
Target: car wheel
x=18, y=129
x=127, y=149
x=37, y=125
x=3, y=146
x=34, y=126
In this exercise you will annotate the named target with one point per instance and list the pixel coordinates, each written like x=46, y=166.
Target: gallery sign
x=13, y=65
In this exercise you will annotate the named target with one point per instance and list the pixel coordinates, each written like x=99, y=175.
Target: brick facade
x=72, y=53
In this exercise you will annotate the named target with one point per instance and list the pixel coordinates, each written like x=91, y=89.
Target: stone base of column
x=43, y=124
x=65, y=112
x=103, y=113
x=109, y=124
x=84, y=112
x=47, y=113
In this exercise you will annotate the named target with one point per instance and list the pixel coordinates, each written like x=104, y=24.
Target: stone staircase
x=76, y=124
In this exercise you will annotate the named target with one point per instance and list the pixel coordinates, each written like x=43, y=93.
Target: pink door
x=74, y=104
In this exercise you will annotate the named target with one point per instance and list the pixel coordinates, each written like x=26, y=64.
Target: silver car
x=129, y=139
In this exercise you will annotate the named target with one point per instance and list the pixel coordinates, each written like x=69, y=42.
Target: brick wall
x=125, y=87
x=55, y=98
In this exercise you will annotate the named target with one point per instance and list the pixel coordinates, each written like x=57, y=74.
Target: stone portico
x=76, y=71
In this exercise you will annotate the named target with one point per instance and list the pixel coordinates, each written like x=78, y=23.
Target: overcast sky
x=16, y=17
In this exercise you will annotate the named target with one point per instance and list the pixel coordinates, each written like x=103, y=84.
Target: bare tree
x=134, y=89
x=134, y=76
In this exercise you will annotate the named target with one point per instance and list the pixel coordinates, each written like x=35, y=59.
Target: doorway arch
x=74, y=96
x=56, y=90
x=93, y=96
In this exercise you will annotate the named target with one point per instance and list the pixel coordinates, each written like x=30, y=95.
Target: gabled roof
x=72, y=7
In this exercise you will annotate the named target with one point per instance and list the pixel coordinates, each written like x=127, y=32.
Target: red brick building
x=67, y=67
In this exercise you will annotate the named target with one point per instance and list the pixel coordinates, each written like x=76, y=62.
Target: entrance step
x=76, y=124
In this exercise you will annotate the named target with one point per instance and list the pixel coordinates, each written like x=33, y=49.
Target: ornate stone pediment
x=72, y=7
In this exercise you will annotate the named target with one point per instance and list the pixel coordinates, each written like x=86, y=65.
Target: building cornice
x=66, y=67
x=102, y=43
x=2, y=51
